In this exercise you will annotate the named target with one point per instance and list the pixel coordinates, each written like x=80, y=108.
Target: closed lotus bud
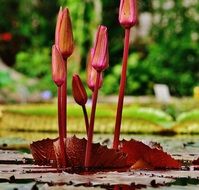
x=78, y=90
x=100, y=52
x=64, y=34
x=128, y=13
x=58, y=67
x=92, y=73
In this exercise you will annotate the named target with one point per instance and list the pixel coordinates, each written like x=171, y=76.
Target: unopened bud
x=128, y=13
x=100, y=51
x=78, y=90
x=58, y=67
x=92, y=73
x=64, y=34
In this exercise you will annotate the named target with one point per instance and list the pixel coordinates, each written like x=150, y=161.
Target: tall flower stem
x=85, y=118
x=92, y=120
x=121, y=90
x=64, y=105
x=61, y=134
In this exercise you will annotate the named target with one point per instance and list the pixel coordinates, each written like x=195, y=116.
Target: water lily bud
x=78, y=90
x=92, y=73
x=100, y=53
x=128, y=13
x=58, y=67
x=91, y=81
x=64, y=34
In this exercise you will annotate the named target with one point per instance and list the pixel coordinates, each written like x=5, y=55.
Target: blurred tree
x=28, y=23
x=168, y=54
x=173, y=55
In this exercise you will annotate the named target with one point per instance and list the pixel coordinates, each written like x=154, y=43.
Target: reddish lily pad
x=43, y=152
x=196, y=162
x=155, y=157
x=47, y=152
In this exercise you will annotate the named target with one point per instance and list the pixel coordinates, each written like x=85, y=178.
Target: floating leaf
x=43, y=152
x=104, y=178
x=14, y=157
x=196, y=162
x=16, y=174
x=141, y=164
x=46, y=152
x=155, y=157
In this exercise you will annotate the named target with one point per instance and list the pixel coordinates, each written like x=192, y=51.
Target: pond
x=172, y=144
x=185, y=147
x=20, y=125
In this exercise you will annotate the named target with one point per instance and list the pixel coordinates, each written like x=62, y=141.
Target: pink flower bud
x=92, y=73
x=78, y=90
x=63, y=33
x=100, y=53
x=58, y=67
x=128, y=13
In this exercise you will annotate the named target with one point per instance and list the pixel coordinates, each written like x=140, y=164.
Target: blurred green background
x=164, y=50
x=164, y=45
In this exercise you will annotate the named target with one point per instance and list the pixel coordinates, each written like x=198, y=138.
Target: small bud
x=64, y=34
x=100, y=53
x=92, y=73
x=78, y=90
x=58, y=67
x=128, y=13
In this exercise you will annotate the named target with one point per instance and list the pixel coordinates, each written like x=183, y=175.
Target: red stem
x=61, y=135
x=92, y=120
x=121, y=90
x=116, y=187
x=85, y=118
x=64, y=105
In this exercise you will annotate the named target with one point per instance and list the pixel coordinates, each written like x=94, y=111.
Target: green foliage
x=31, y=24
x=103, y=111
x=51, y=110
x=5, y=79
x=43, y=117
x=147, y=114
x=168, y=54
x=189, y=116
x=36, y=64
x=173, y=55
x=138, y=78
